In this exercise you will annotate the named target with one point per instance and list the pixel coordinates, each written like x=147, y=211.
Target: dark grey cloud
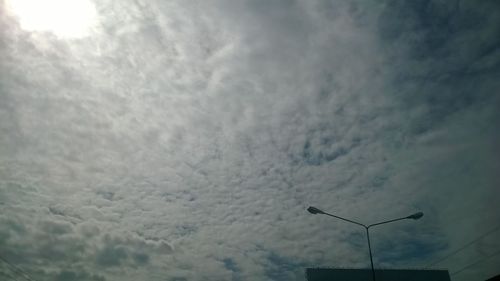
x=66, y=275
x=111, y=256
x=141, y=258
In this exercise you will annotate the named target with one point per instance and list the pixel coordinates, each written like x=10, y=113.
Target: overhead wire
x=463, y=247
x=17, y=270
x=11, y=277
x=475, y=263
x=14, y=269
x=8, y=273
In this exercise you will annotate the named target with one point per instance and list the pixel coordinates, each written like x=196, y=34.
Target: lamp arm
x=344, y=219
x=384, y=222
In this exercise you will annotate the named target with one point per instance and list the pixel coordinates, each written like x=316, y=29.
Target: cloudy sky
x=184, y=140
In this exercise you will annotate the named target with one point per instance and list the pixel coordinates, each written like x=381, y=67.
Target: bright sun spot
x=64, y=18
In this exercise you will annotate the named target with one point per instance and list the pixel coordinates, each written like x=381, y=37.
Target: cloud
x=111, y=256
x=71, y=275
x=183, y=141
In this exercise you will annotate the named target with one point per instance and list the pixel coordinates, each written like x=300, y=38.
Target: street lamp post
x=416, y=216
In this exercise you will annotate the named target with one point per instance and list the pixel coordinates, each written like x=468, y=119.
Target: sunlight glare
x=64, y=18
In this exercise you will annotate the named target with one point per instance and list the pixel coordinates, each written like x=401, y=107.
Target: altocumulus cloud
x=183, y=140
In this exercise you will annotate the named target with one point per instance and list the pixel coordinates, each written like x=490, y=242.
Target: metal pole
x=416, y=216
x=370, y=250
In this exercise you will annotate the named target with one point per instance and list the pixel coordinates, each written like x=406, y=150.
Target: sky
x=184, y=140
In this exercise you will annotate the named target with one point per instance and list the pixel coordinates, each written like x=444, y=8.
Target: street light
x=416, y=216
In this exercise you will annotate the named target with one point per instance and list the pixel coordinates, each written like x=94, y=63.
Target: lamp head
x=415, y=216
x=314, y=210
